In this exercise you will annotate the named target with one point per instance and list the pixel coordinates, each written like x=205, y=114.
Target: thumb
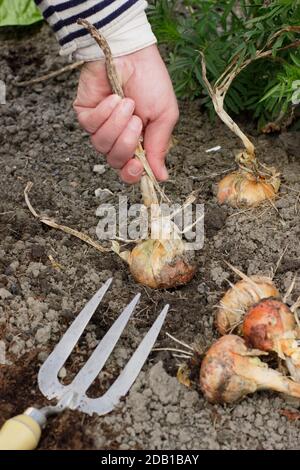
x=156, y=143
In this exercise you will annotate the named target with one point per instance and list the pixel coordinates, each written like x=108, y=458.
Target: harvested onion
x=252, y=183
x=271, y=326
x=239, y=298
x=163, y=261
x=230, y=371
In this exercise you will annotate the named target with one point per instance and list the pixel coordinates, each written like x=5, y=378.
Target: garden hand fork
x=23, y=432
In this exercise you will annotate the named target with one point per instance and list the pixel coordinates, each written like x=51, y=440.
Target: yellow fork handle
x=20, y=433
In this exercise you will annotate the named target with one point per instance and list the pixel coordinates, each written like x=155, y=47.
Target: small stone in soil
x=100, y=169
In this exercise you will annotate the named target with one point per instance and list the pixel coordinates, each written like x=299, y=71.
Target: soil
x=46, y=276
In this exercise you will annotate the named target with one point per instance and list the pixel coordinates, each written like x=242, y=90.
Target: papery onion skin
x=267, y=322
x=239, y=298
x=242, y=188
x=152, y=265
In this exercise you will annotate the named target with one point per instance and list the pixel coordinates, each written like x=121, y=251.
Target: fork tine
x=47, y=377
x=122, y=384
x=130, y=372
x=96, y=361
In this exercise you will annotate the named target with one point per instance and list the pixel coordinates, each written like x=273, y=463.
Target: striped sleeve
x=123, y=23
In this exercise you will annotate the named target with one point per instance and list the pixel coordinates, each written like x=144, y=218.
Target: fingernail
x=164, y=175
x=127, y=106
x=135, y=124
x=134, y=169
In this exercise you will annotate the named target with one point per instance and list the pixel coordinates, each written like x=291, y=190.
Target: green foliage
x=226, y=29
x=18, y=13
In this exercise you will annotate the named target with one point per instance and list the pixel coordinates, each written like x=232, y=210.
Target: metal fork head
x=74, y=395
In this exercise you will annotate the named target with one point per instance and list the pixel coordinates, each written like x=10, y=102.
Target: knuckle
x=82, y=119
x=117, y=124
x=128, y=142
x=76, y=104
x=114, y=162
x=100, y=145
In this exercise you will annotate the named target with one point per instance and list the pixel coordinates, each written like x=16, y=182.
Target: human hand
x=115, y=124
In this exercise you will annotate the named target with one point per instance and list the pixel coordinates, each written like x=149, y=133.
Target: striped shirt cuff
x=131, y=37
x=123, y=23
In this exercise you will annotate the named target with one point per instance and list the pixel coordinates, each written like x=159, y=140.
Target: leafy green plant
x=18, y=13
x=227, y=32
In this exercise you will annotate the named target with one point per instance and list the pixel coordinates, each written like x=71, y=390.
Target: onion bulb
x=231, y=371
x=244, y=188
x=157, y=264
x=270, y=326
x=239, y=298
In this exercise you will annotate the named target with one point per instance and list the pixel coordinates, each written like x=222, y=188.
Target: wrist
x=133, y=36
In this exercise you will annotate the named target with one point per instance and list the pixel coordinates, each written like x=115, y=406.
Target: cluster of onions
x=253, y=182
x=161, y=261
x=232, y=368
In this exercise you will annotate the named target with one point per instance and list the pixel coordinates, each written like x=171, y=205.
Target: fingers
x=156, y=141
x=115, y=133
x=105, y=137
x=93, y=118
x=125, y=145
